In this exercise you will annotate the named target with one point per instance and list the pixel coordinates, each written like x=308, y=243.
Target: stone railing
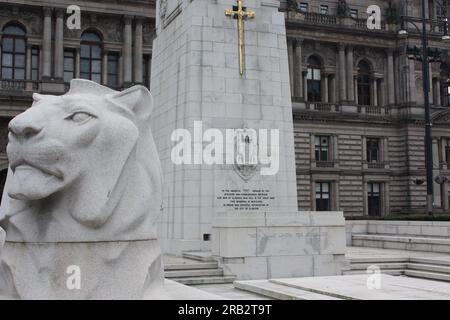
x=325, y=164
x=18, y=85
x=322, y=106
x=376, y=165
x=325, y=19
x=373, y=110
x=320, y=18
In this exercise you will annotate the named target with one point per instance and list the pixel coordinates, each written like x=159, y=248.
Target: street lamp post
x=426, y=92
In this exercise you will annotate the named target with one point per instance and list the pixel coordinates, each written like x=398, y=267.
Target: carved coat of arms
x=246, y=162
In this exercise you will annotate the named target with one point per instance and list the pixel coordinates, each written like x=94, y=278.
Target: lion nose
x=22, y=128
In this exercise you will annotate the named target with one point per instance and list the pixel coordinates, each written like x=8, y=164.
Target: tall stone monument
x=223, y=65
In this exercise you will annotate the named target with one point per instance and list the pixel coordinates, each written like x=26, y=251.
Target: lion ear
x=38, y=97
x=138, y=99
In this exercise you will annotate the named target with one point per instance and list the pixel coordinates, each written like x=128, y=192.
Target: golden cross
x=240, y=14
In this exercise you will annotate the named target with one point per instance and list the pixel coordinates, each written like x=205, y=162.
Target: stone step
x=375, y=260
x=382, y=266
x=428, y=275
x=392, y=272
x=433, y=261
x=279, y=292
x=429, y=268
x=205, y=280
x=193, y=273
x=411, y=243
x=204, y=256
x=191, y=266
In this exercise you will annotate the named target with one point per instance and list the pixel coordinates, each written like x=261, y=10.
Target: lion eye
x=80, y=117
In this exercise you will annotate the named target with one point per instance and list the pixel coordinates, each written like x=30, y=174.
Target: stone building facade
x=358, y=107
x=40, y=53
x=357, y=96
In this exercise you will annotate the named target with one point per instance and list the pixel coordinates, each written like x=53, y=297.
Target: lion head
x=83, y=162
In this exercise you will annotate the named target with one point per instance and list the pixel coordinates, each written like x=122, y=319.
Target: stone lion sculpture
x=82, y=198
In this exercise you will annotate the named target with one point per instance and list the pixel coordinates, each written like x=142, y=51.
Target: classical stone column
x=149, y=72
x=342, y=74
x=28, y=86
x=349, y=70
x=374, y=92
x=390, y=78
x=290, y=45
x=436, y=172
x=138, y=52
x=298, y=65
x=120, y=71
x=105, y=68
x=59, y=44
x=305, y=85
x=324, y=84
x=381, y=93
x=397, y=77
x=431, y=92
x=412, y=82
x=77, y=63
x=47, y=43
x=332, y=95
x=356, y=90
x=437, y=92
x=127, y=54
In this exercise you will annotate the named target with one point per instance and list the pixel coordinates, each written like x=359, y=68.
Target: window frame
x=13, y=52
x=323, y=9
x=374, y=194
x=354, y=13
x=35, y=68
x=73, y=53
x=370, y=141
x=111, y=74
x=319, y=196
x=303, y=7
x=91, y=44
x=319, y=148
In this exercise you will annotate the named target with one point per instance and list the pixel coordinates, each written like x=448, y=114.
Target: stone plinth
x=267, y=245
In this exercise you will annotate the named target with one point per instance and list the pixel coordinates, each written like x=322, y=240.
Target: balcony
x=373, y=110
x=325, y=164
x=18, y=85
x=375, y=165
x=331, y=20
x=318, y=18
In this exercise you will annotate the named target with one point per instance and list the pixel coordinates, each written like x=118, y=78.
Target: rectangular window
x=323, y=196
x=354, y=13
x=374, y=199
x=145, y=72
x=34, y=63
x=303, y=7
x=324, y=9
x=113, y=70
x=69, y=65
x=373, y=150
x=322, y=148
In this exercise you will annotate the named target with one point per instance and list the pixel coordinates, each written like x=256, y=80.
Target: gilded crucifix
x=239, y=12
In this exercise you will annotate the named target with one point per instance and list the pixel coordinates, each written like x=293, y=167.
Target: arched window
x=13, y=53
x=313, y=78
x=364, y=79
x=91, y=56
